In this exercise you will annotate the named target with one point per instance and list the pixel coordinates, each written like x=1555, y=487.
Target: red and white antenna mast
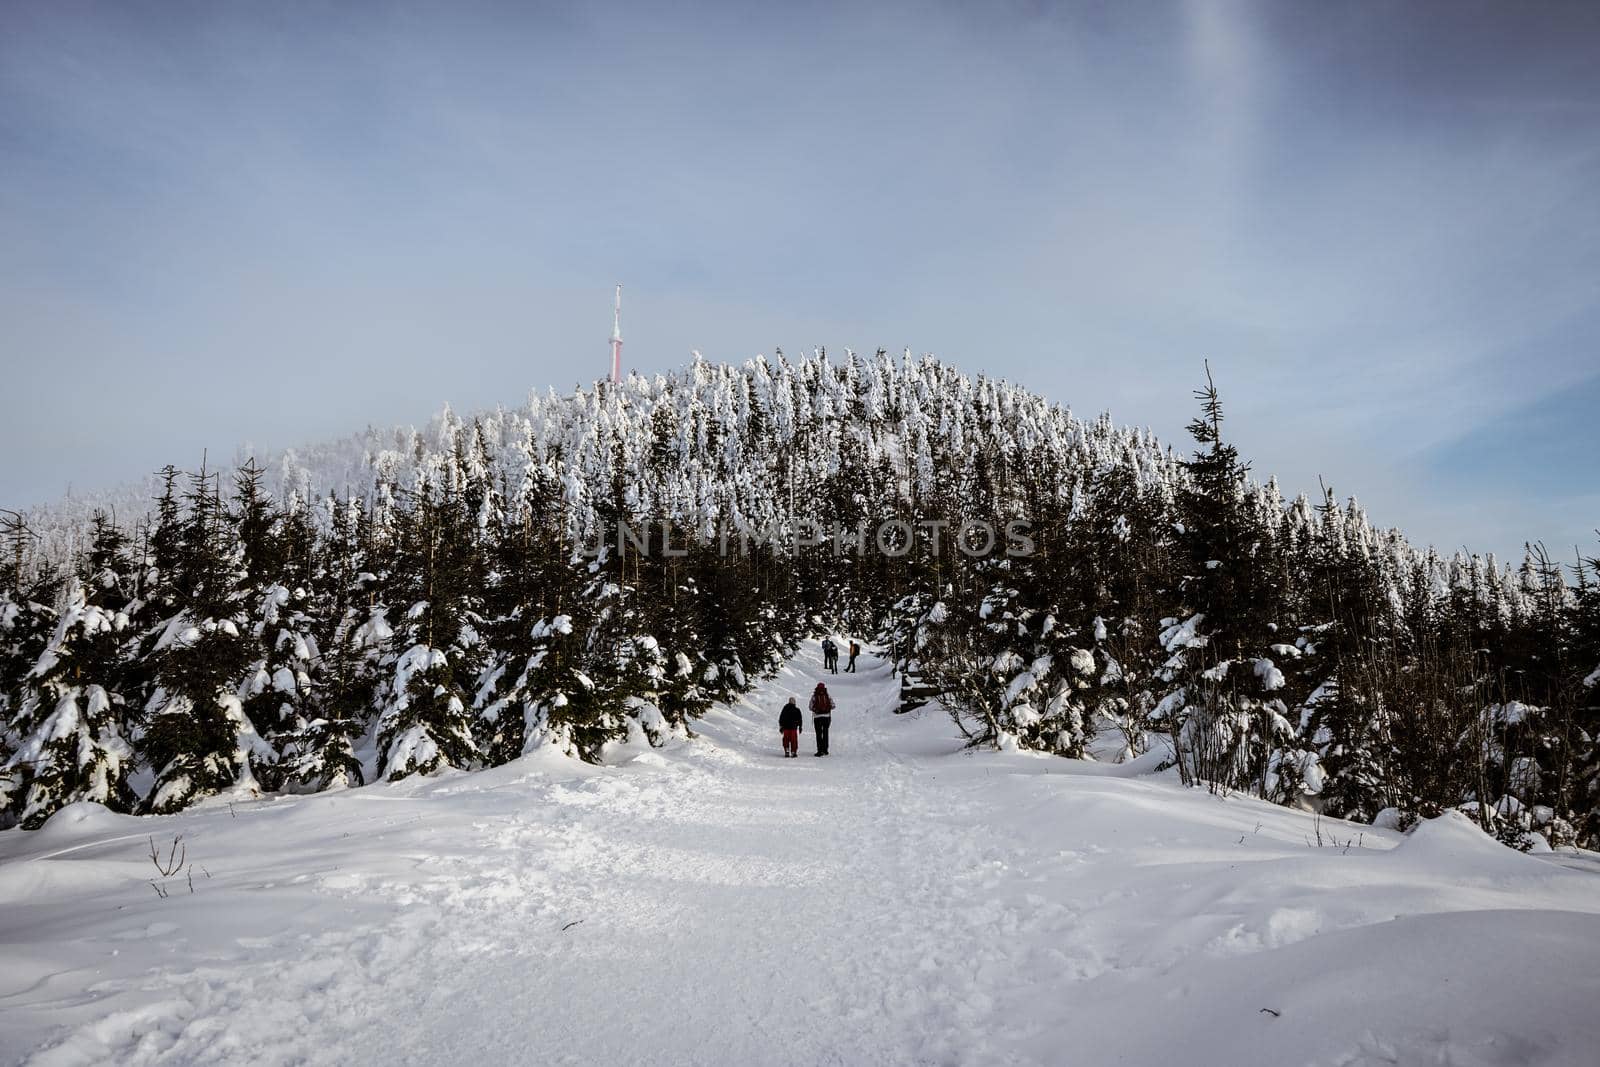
x=616, y=341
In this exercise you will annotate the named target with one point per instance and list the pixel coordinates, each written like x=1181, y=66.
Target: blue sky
x=226, y=223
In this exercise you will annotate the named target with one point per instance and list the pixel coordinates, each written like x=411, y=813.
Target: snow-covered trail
x=899, y=901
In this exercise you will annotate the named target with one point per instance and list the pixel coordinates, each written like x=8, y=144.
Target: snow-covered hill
x=901, y=901
x=726, y=430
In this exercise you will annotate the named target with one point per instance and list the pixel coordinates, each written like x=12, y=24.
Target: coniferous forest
x=602, y=567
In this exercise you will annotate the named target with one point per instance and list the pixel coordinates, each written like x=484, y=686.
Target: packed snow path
x=899, y=901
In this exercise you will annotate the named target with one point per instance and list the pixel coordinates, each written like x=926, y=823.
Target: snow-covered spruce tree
x=1005, y=678
x=436, y=583
x=1348, y=622
x=1037, y=674
x=197, y=737
x=642, y=629
x=1528, y=728
x=1129, y=545
x=1585, y=772
x=347, y=641
x=531, y=582
x=162, y=553
x=71, y=709
x=902, y=630
x=1432, y=746
x=671, y=608
x=24, y=627
x=1543, y=724
x=1051, y=698
x=9, y=669
x=27, y=591
x=156, y=550
x=1097, y=577
x=278, y=691
x=525, y=681
x=1224, y=712
x=571, y=666
x=608, y=668
x=277, y=685
x=743, y=632
x=682, y=689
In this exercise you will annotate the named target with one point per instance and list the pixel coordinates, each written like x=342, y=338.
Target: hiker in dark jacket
x=790, y=722
x=821, y=717
x=830, y=655
x=855, y=650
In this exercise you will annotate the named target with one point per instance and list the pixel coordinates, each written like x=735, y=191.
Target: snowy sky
x=276, y=223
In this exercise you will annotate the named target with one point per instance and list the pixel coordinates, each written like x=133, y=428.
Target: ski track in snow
x=898, y=902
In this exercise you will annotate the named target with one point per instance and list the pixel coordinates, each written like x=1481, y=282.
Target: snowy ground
x=896, y=902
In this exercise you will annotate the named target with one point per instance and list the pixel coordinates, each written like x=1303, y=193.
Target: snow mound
x=1454, y=842
x=84, y=819
x=1388, y=819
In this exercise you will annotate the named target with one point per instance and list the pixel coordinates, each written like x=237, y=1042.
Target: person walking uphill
x=855, y=650
x=821, y=717
x=830, y=655
x=790, y=722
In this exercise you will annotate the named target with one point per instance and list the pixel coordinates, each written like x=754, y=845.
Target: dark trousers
x=820, y=728
x=852, y=667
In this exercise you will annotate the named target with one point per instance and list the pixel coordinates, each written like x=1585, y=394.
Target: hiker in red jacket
x=821, y=717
